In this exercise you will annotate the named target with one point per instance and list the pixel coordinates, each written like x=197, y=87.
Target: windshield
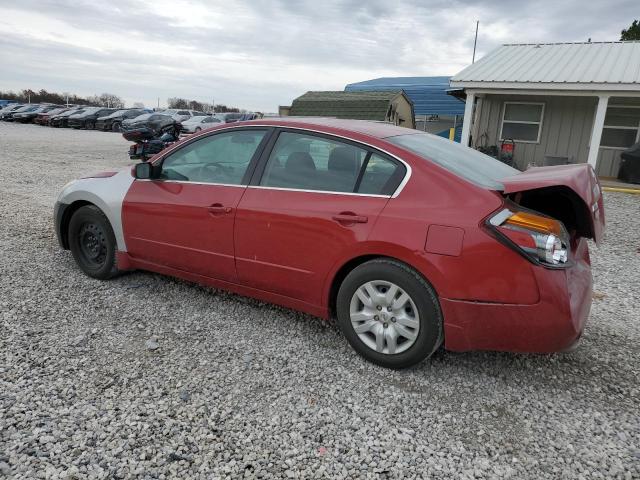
x=476, y=167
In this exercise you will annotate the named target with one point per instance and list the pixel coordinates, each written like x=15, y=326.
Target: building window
x=621, y=127
x=522, y=121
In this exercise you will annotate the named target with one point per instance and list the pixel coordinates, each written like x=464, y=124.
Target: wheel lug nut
x=393, y=319
x=376, y=317
x=379, y=307
x=388, y=309
x=385, y=325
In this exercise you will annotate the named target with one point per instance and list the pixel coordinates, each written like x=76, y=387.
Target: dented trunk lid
x=578, y=178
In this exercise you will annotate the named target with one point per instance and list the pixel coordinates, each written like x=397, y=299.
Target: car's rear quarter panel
x=485, y=270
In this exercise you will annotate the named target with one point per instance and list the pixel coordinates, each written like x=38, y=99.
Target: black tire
x=197, y=129
x=89, y=125
x=115, y=127
x=430, y=333
x=93, y=243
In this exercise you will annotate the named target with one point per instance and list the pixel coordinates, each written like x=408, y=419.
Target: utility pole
x=158, y=103
x=475, y=42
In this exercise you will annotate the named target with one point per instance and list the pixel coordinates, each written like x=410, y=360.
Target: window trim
x=369, y=149
x=636, y=128
x=502, y=122
x=272, y=134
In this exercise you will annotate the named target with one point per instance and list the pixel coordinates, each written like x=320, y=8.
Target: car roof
x=366, y=127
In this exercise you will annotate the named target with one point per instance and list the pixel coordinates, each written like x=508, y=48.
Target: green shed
x=385, y=106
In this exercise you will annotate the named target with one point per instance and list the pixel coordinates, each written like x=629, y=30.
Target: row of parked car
x=117, y=120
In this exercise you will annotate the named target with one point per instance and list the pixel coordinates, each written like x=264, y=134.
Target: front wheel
x=115, y=127
x=89, y=125
x=197, y=129
x=389, y=313
x=93, y=243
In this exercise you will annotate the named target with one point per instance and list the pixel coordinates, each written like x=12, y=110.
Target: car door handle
x=350, y=217
x=219, y=209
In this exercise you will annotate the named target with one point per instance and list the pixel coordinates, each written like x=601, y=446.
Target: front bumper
x=553, y=324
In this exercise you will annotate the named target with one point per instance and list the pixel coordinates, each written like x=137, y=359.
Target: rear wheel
x=89, y=125
x=197, y=129
x=93, y=243
x=389, y=313
x=115, y=127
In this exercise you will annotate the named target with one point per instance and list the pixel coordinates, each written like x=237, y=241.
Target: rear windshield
x=476, y=167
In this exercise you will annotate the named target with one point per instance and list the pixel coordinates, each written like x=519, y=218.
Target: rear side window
x=467, y=163
x=381, y=176
x=308, y=162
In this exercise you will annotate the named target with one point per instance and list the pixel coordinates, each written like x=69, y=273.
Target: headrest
x=300, y=161
x=344, y=159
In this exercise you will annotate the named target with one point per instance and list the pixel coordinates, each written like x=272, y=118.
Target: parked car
x=157, y=122
x=10, y=108
x=88, y=118
x=43, y=117
x=114, y=120
x=181, y=115
x=62, y=119
x=195, y=124
x=410, y=240
x=4, y=103
x=29, y=116
x=229, y=117
x=8, y=116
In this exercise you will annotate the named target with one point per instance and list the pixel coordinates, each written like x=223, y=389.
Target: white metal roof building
x=595, y=84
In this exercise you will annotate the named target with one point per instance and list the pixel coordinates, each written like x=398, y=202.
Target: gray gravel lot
x=146, y=376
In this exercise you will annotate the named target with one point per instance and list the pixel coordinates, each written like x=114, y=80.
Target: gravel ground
x=152, y=377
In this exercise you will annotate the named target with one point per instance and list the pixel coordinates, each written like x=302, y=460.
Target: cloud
x=257, y=54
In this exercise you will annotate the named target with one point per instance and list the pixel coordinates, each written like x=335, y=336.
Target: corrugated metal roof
x=593, y=63
x=428, y=94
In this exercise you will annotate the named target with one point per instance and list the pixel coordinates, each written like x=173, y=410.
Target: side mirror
x=143, y=171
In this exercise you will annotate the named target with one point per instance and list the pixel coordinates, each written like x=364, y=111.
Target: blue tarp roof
x=428, y=94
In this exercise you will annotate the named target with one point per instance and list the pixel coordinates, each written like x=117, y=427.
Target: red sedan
x=408, y=239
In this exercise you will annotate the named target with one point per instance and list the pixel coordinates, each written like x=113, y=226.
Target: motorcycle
x=149, y=142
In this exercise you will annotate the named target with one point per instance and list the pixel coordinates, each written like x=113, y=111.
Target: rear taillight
x=539, y=238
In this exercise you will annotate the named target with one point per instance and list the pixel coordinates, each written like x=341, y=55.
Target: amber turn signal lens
x=538, y=223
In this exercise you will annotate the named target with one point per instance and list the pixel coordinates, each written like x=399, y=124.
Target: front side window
x=621, y=127
x=522, y=122
x=223, y=158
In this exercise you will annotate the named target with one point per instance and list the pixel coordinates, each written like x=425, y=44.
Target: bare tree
x=176, y=102
x=110, y=100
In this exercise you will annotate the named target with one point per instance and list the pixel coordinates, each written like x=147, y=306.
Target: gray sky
x=258, y=54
